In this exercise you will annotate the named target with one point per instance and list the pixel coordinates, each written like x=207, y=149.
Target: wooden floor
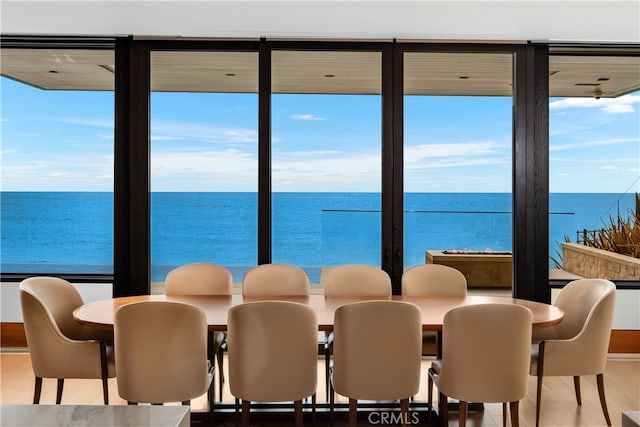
x=622, y=384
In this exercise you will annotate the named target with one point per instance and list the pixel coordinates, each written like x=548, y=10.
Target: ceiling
x=321, y=72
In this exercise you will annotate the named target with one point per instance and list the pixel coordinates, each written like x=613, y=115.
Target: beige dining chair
x=203, y=278
x=485, y=358
x=275, y=280
x=434, y=280
x=59, y=346
x=358, y=280
x=259, y=369
x=365, y=370
x=161, y=353
x=577, y=345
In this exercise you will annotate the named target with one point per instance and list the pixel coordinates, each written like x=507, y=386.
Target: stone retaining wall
x=482, y=270
x=595, y=263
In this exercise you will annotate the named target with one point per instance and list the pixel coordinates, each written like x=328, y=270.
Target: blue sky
x=63, y=141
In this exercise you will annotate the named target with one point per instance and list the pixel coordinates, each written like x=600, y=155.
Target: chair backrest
x=273, y=351
x=275, y=279
x=433, y=280
x=377, y=350
x=200, y=278
x=47, y=304
x=44, y=338
x=356, y=279
x=486, y=350
x=588, y=306
x=161, y=351
x=60, y=299
x=579, y=299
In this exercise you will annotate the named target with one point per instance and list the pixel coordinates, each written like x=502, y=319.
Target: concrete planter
x=595, y=263
x=482, y=269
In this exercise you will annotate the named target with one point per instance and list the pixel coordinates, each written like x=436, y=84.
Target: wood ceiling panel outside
x=60, y=69
x=427, y=73
x=326, y=72
x=230, y=72
x=457, y=74
x=582, y=75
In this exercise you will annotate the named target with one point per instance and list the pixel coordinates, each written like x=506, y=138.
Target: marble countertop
x=94, y=415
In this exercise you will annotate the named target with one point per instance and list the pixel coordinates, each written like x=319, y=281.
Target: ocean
x=72, y=232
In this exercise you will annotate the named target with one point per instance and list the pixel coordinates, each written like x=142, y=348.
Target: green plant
x=620, y=235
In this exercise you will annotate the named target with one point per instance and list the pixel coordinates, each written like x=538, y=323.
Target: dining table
x=100, y=314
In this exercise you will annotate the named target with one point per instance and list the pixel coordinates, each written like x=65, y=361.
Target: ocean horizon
x=72, y=232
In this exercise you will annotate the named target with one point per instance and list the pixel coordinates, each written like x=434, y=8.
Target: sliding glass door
x=326, y=158
x=458, y=163
x=204, y=166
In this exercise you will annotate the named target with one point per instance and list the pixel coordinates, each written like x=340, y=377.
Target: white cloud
x=305, y=117
x=621, y=105
x=165, y=130
x=69, y=171
x=609, y=168
x=210, y=170
x=104, y=123
x=314, y=153
x=597, y=143
x=452, y=155
x=351, y=172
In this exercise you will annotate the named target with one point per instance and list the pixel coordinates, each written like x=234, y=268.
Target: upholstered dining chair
x=352, y=280
x=259, y=369
x=482, y=366
x=161, y=353
x=433, y=280
x=362, y=368
x=59, y=346
x=578, y=345
x=275, y=280
x=203, y=278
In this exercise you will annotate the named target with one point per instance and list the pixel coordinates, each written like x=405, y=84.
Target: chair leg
x=504, y=414
x=462, y=407
x=540, y=372
x=212, y=397
x=353, y=412
x=220, y=358
x=59, y=390
x=37, y=391
x=244, y=416
x=327, y=362
x=298, y=413
x=104, y=372
x=576, y=386
x=237, y=409
x=429, y=398
x=603, y=401
x=331, y=403
x=443, y=404
x=313, y=409
x=538, y=399
x=404, y=411
x=515, y=416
